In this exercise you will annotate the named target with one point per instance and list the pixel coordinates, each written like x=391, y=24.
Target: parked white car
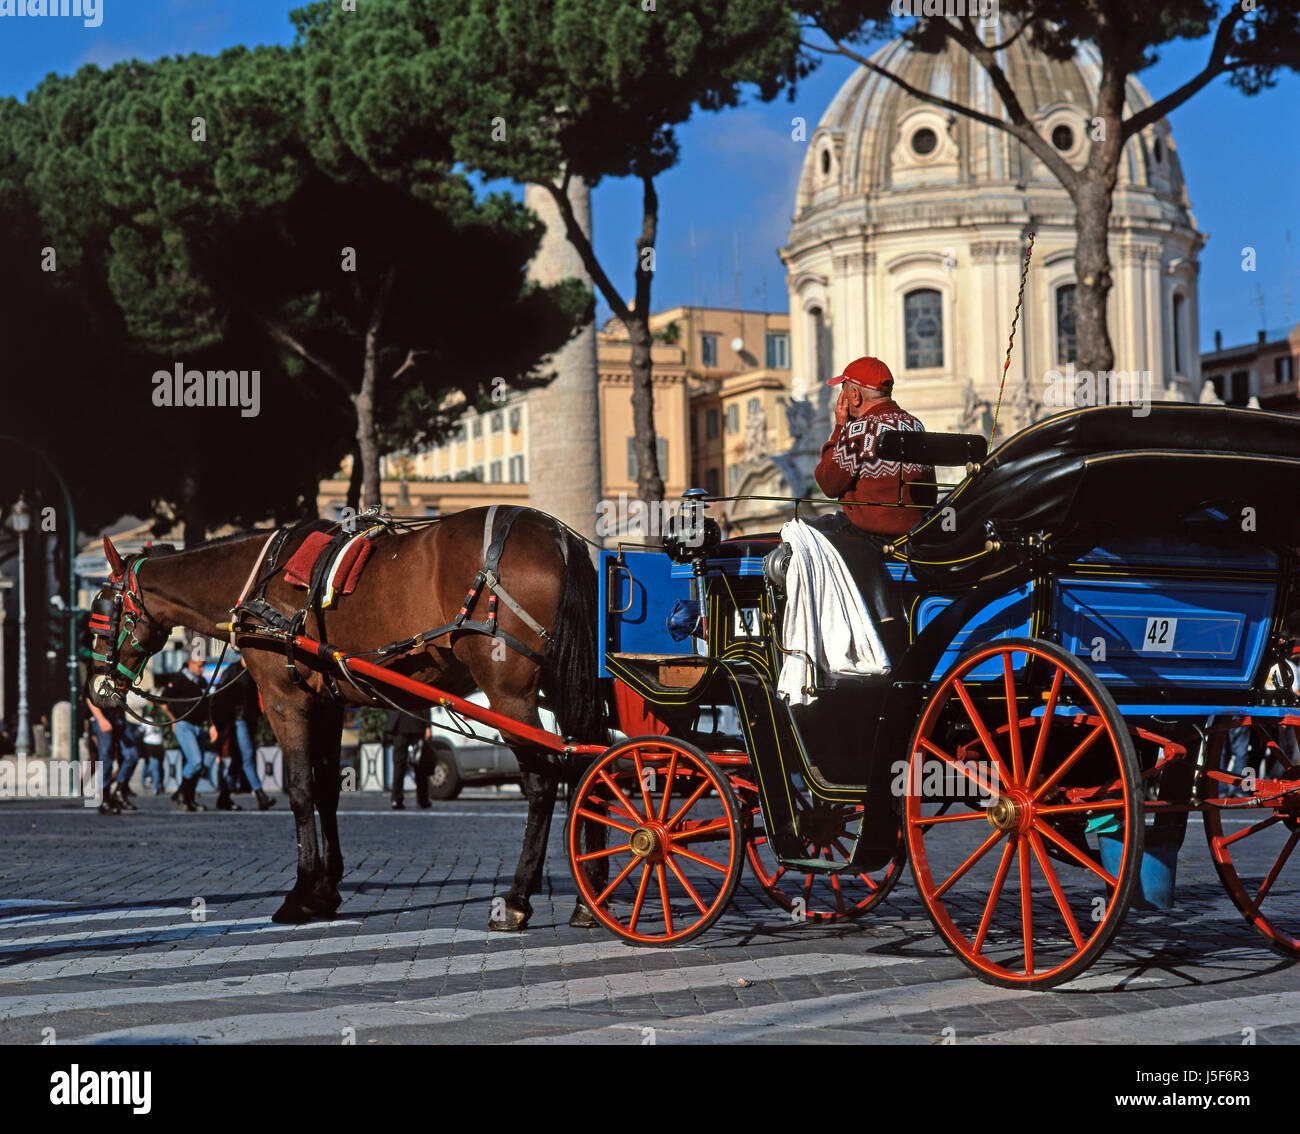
x=459, y=760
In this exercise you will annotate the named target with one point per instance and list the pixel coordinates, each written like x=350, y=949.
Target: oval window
x=924, y=141
x=1063, y=138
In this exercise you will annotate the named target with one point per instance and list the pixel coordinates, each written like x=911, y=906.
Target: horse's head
x=125, y=637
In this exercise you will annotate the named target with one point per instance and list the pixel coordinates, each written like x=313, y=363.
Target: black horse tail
x=569, y=678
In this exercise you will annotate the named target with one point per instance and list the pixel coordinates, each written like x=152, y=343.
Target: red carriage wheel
x=1253, y=827
x=997, y=824
x=654, y=840
x=821, y=897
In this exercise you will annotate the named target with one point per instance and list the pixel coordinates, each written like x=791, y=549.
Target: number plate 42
x=1159, y=636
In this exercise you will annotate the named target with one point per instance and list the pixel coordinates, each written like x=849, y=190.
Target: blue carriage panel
x=1166, y=632
x=1160, y=551
x=634, y=601
x=1009, y=616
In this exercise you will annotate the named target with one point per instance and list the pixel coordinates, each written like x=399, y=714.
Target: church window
x=1063, y=138
x=923, y=329
x=826, y=162
x=1158, y=150
x=1067, y=343
x=924, y=141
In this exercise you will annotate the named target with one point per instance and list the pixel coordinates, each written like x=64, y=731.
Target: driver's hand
x=842, y=409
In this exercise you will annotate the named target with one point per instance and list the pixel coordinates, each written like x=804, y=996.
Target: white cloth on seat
x=825, y=616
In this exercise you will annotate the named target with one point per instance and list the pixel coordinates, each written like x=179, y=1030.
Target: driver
x=870, y=489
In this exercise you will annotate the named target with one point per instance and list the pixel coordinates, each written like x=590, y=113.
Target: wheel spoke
x=602, y=853
x=640, y=898
x=931, y=820
x=685, y=884
x=1246, y=832
x=1026, y=906
x=1074, y=852
x=1054, y=884
x=631, y=866
x=598, y=818
x=685, y=807
x=713, y=825
x=626, y=803
x=1013, y=722
x=640, y=779
x=986, y=738
x=1049, y=714
x=975, y=856
x=1069, y=761
x=1277, y=869
x=698, y=858
x=994, y=894
x=668, y=786
x=663, y=895
x=962, y=767
x=1087, y=805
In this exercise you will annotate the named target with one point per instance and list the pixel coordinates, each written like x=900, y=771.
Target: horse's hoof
x=510, y=921
x=583, y=918
x=325, y=904
x=293, y=912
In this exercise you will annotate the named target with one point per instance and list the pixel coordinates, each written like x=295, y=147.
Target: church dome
x=876, y=140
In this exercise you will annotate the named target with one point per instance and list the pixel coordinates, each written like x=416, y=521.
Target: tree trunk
x=364, y=399
x=649, y=481
x=354, y=482
x=1096, y=187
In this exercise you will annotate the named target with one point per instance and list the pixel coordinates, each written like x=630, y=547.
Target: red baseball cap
x=865, y=371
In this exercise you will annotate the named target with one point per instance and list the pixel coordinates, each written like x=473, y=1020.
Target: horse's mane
x=163, y=550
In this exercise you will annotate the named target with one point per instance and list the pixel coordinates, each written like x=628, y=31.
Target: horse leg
x=327, y=735
x=290, y=715
x=537, y=772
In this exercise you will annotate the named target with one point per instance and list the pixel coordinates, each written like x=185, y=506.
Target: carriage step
x=815, y=865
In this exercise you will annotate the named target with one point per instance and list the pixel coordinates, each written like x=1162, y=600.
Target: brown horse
x=414, y=581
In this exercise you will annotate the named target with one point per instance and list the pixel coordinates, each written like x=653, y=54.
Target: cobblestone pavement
x=155, y=928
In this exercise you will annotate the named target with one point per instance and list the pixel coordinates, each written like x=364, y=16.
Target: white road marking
x=569, y=993
x=145, y=933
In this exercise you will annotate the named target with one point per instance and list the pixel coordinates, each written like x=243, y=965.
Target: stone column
x=564, y=418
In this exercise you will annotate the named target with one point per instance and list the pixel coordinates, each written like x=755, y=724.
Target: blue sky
x=735, y=183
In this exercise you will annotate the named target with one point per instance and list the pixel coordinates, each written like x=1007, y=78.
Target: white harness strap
x=252, y=576
x=330, y=596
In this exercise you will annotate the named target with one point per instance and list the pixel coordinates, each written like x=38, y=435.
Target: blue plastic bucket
x=1159, y=867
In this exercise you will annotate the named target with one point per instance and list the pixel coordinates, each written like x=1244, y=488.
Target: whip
x=1024, y=272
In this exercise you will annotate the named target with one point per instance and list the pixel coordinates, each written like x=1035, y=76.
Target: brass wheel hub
x=1004, y=815
x=644, y=842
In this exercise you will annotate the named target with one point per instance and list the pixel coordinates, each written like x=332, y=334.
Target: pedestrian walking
x=235, y=712
x=406, y=733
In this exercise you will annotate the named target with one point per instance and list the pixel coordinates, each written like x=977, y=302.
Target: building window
x=661, y=452
x=711, y=424
x=462, y=432
x=497, y=424
x=1239, y=391
x=1282, y=369
x=1179, y=319
x=515, y=418
x=708, y=350
x=478, y=428
x=923, y=329
x=754, y=407
x=1063, y=138
x=711, y=485
x=1067, y=343
x=695, y=432
x=778, y=351
x=517, y=470
x=733, y=419
x=924, y=141
x=733, y=479
x=495, y=475
x=478, y=473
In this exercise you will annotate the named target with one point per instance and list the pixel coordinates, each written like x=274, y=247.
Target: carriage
x=1092, y=610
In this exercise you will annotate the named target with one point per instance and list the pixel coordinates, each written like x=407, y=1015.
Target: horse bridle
x=116, y=620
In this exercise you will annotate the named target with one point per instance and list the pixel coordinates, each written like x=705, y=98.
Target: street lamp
x=19, y=521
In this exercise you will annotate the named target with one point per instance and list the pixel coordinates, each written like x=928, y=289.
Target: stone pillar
x=60, y=726
x=564, y=418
